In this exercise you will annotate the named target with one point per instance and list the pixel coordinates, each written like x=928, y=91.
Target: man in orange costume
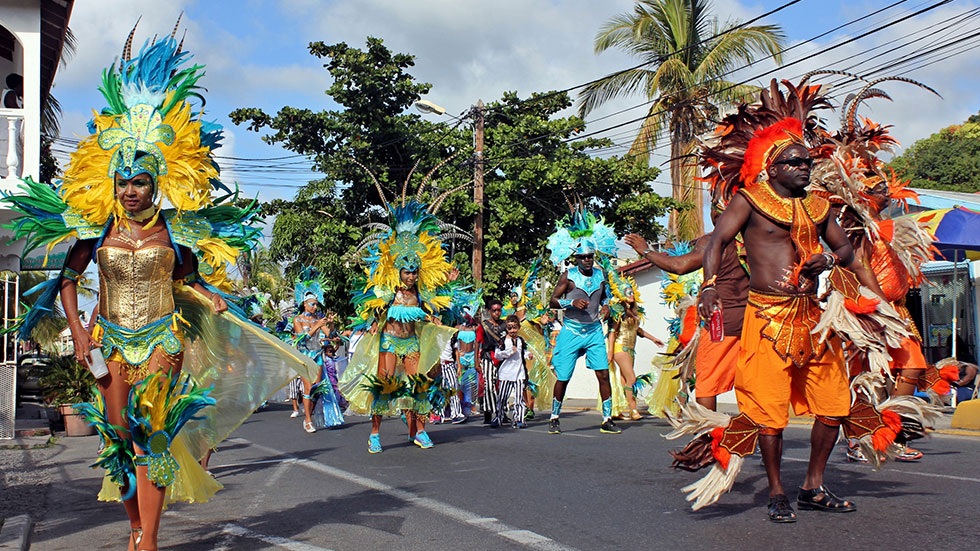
x=781, y=362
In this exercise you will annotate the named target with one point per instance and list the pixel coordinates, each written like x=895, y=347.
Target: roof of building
x=942, y=199
x=635, y=267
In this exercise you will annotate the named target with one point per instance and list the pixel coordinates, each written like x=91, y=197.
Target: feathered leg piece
x=384, y=390
x=116, y=456
x=159, y=407
x=936, y=379
x=720, y=442
x=423, y=387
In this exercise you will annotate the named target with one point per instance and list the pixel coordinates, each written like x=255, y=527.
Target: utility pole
x=478, y=192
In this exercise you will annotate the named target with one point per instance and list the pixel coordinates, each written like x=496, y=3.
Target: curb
x=27, y=443
x=16, y=533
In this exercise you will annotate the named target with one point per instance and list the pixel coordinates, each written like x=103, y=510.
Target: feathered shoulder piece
x=624, y=290
x=525, y=290
x=412, y=240
x=674, y=286
x=581, y=232
x=464, y=303
x=535, y=310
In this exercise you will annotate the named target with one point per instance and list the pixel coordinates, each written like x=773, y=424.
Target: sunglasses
x=584, y=256
x=796, y=162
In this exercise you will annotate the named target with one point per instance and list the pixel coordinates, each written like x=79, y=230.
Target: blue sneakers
x=423, y=441
x=374, y=443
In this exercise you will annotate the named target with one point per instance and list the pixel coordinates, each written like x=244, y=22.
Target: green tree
x=683, y=80
x=948, y=159
x=47, y=332
x=533, y=163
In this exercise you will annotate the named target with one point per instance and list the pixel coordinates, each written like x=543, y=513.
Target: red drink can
x=716, y=326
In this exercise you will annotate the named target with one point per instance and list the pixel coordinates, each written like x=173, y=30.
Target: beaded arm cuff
x=192, y=278
x=70, y=275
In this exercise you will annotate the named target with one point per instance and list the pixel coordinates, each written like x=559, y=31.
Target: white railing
x=11, y=143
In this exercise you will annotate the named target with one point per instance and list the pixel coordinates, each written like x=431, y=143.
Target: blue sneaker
x=423, y=441
x=374, y=443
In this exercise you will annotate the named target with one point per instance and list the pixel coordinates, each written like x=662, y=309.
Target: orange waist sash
x=789, y=323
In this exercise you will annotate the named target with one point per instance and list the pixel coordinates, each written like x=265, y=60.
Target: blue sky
x=256, y=55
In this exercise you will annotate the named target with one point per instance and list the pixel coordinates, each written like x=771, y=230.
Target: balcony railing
x=11, y=143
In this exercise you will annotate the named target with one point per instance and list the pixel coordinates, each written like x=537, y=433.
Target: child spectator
x=511, y=352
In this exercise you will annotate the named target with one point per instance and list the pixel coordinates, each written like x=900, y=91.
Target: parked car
x=30, y=369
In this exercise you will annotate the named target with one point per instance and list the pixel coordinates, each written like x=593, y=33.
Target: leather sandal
x=135, y=537
x=822, y=499
x=780, y=510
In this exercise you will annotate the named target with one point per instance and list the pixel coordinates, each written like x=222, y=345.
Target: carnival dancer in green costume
x=405, y=289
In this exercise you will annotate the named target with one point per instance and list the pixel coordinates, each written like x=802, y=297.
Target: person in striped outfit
x=512, y=352
x=488, y=335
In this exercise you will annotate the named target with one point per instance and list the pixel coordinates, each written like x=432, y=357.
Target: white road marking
x=247, y=463
x=913, y=473
x=528, y=539
x=285, y=543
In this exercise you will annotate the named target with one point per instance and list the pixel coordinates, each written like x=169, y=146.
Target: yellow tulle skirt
x=538, y=370
x=192, y=484
x=663, y=399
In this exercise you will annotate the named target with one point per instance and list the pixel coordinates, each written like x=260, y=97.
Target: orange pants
x=715, y=365
x=766, y=385
x=907, y=356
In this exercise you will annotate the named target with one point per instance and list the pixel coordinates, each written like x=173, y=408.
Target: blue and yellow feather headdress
x=309, y=285
x=412, y=240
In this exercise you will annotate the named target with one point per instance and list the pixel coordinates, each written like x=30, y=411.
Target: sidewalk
x=56, y=488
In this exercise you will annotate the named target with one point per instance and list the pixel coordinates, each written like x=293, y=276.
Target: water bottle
x=98, y=366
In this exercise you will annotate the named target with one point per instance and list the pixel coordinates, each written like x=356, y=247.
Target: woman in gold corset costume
x=137, y=329
x=626, y=316
x=146, y=146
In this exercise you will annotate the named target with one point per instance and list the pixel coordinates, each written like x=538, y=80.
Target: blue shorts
x=574, y=340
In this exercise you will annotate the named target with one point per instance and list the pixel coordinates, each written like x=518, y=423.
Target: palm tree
x=265, y=274
x=687, y=53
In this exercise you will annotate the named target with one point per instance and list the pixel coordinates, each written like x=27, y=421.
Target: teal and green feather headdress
x=309, y=285
x=581, y=233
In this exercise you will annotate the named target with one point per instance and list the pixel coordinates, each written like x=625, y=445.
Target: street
x=508, y=489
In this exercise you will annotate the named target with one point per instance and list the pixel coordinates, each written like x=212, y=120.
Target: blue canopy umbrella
x=955, y=229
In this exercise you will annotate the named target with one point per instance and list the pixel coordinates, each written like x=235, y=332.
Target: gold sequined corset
x=136, y=287
x=626, y=337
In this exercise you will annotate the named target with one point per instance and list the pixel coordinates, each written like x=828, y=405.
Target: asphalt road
x=509, y=489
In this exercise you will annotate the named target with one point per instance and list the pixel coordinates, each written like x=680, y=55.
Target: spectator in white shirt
x=512, y=352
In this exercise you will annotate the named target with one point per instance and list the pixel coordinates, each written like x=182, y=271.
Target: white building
x=32, y=36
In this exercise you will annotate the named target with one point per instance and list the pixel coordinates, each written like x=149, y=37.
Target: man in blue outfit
x=582, y=292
